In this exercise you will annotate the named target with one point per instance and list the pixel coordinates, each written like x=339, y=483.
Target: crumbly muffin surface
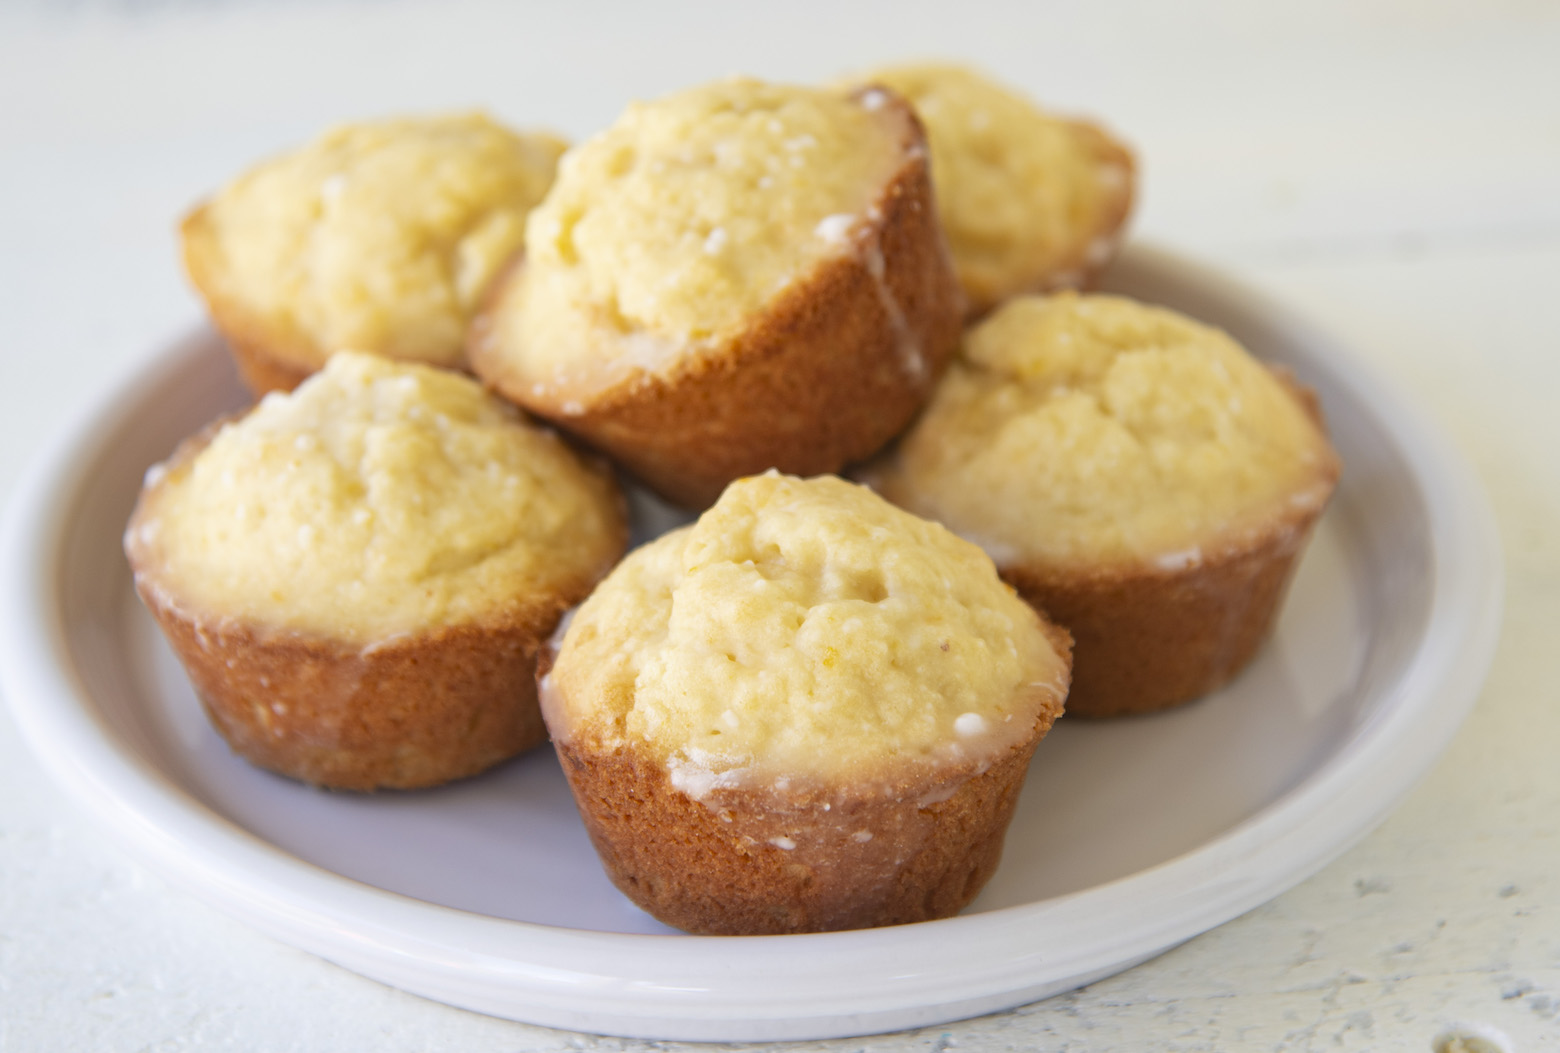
x=378, y=498
x=676, y=224
x=1096, y=431
x=1016, y=187
x=803, y=629
x=380, y=236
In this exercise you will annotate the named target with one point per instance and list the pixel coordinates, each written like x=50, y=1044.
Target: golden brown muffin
x=1031, y=202
x=381, y=237
x=1136, y=475
x=737, y=277
x=358, y=575
x=808, y=711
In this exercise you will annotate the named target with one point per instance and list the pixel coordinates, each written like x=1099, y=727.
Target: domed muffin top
x=669, y=230
x=804, y=630
x=1095, y=431
x=380, y=236
x=379, y=498
x=1017, y=188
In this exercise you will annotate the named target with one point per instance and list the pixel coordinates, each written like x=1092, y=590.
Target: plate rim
x=721, y=988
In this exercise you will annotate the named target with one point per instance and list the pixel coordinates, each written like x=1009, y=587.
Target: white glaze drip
x=909, y=348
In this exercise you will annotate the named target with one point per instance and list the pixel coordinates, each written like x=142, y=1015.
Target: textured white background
x=1391, y=169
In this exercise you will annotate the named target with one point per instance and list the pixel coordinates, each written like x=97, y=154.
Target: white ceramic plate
x=1130, y=836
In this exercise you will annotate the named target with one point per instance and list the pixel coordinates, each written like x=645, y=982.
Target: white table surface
x=1391, y=169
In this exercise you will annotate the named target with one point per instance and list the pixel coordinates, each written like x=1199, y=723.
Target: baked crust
x=815, y=858
x=263, y=372
x=677, y=859
x=824, y=375
x=415, y=712
x=1146, y=639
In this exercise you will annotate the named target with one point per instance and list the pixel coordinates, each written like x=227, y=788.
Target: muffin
x=1030, y=202
x=358, y=576
x=807, y=711
x=381, y=237
x=1138, y=476
x=737, y=277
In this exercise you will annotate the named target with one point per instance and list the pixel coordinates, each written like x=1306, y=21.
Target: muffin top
x=803, y=630
x=1020, y=192
x=1094, y=431
x=665, y=233
x=379, y=498
x=380, y=237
